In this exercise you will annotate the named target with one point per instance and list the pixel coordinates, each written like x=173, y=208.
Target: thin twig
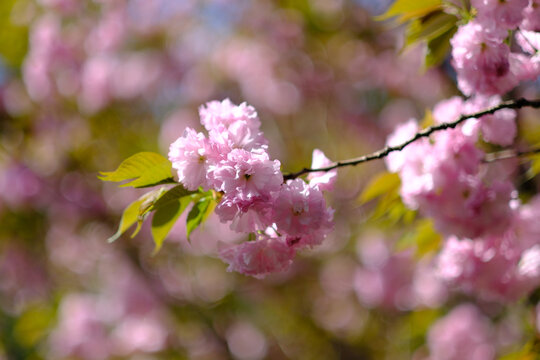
x=513, y=104
x=509, y=154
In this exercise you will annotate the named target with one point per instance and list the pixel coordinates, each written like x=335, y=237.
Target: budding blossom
x=233, y=161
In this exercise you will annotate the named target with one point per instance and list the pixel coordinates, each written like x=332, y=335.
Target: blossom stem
x=512, y=104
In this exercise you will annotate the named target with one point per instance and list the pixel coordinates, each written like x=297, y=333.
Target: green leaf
x=172, y=196
x=168, y=209
x=136, y=212
x=429, y=27
x=13, y=37
x=438, y=48
x=33, y=325
x=199, y=213
x=143, y=169
x=129, y=217
x=382, y=184
x=424, y=238
x=165, y=217
x=407, y=9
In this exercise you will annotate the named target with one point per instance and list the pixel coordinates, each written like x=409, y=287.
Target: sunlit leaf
x=143, y=169
x=380, y=185
x=430, y=27
x=129, y=217
x=135, y=213
x=407, y=9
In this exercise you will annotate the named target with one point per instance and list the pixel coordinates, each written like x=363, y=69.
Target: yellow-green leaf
x=382, y=184
x=429, y=27
x=129, y=217
x=407, y=9
x=136, y=213
x=143, y=169
x=424, y=238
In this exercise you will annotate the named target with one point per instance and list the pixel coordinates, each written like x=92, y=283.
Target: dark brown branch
x=513, y=104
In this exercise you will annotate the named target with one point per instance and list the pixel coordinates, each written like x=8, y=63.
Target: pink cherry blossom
x=324, y=180
x=448, y=110
x=529, y=41
x=481, y=60
x=259, y=258
x=412, y=154
x=443, y=179
x=499, y=128
x=225, y=113
x=189, y=156
x=301, y=213
x=246, y=174
x=238, y=135
x=527, y=68
x=462, y=334
x=246, y=215
x=501, y=266
x=531, y=16
x=500, y=13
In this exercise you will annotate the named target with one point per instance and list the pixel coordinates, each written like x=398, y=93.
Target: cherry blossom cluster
x=233, y=160
x=444, y=176
x=481, y=56
x=491, y=248
x=497, y=266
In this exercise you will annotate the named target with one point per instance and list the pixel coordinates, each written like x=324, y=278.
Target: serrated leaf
x=143, y=169
x=165, y=216
x=199, y=213
x=383, y=183
x=407, y=9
